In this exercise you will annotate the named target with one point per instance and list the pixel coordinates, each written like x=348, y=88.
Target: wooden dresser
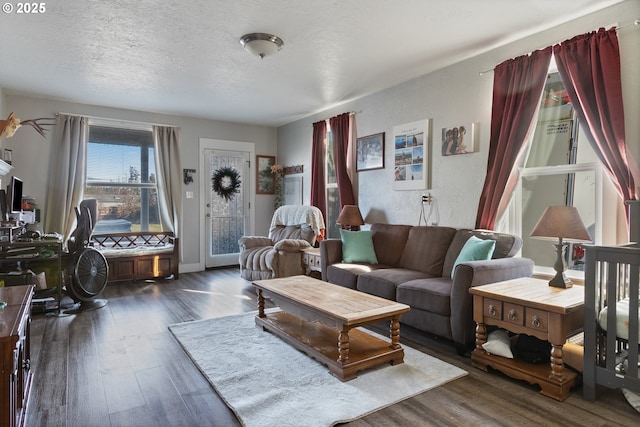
x=15, y=362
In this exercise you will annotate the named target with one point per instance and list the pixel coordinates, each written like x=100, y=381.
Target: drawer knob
x=513, y=315
x=535, y=321
x=492, y=310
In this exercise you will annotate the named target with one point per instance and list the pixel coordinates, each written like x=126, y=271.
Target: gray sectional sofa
x=415, y=266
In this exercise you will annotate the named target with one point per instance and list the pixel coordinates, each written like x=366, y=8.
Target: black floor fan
x=87, y=270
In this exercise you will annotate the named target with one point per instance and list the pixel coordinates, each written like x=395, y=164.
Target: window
x=121, y=176
x=560, y=168
x=333, y=197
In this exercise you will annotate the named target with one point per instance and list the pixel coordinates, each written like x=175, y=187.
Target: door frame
x=205, y=184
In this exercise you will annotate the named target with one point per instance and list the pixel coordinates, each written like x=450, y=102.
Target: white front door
x=227, y=219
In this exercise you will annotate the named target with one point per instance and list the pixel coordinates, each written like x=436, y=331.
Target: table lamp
x=350, y=218
x=565, y=224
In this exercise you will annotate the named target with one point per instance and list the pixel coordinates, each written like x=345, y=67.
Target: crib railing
x=612, y=274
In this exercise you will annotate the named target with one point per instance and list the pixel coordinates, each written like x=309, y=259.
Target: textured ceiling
x=184, y=58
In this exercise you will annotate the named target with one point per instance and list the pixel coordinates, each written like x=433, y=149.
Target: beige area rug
x=266, y=382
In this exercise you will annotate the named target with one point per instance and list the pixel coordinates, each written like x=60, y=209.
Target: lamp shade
x=562, y=222
x=261, y=44
x=350, y=215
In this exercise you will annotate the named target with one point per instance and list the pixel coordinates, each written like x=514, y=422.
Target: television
x=15, y=195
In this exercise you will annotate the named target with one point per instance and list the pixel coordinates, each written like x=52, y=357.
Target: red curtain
x=318, y=193
x=517, y=87
x=589, y=65
x=340, y=130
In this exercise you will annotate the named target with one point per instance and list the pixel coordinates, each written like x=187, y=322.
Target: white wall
x=2, y=113
x=31, y=155
x=451, y=96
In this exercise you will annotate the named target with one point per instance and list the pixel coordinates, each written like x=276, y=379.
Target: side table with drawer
x=529, y=306
x=311, y=260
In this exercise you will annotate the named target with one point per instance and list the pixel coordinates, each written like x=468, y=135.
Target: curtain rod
x=635, y=23
x=115, y=120
x=351, y=113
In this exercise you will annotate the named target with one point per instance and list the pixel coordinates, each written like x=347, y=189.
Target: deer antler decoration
x=12, y=124
x=39, y=124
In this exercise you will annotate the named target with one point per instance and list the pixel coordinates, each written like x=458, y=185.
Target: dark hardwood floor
x=120, y=366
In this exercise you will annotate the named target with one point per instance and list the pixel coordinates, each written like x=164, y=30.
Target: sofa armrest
x=330, y=253
x=476, y=273
x=291, y=245
x=248, y=242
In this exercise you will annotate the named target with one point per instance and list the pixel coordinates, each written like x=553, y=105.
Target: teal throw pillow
x=357, y=246
x=475, y=249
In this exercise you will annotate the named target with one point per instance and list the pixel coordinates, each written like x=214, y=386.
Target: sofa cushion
x=347, y=274
x=475, y=249
x=357, y=246
x=389, y=241
x=383, y=282
x=507, y=246
x=426, y=249
x=432, y=295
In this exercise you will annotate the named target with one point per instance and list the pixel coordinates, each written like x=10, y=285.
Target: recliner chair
x=293, y=228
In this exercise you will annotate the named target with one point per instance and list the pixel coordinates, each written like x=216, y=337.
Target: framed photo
x=459, y=139
x=411, y=149
x=292, y=190
x=265, y=181
x=370, y=152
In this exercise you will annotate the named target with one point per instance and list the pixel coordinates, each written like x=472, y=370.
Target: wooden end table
x=312, y=261
x=321, y=319
x=529, y=306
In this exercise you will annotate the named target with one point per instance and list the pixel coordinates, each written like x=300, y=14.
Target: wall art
x=412, y=142
x=265, y=183
x=292, y=190
x=460, y=139
x=370, y=152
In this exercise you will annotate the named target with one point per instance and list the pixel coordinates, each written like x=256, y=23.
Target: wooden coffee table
x=320, y=318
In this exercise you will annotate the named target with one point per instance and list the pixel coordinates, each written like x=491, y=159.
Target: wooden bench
x=139, y=255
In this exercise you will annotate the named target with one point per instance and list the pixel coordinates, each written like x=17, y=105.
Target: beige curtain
x=166, y=140
x=66, y=174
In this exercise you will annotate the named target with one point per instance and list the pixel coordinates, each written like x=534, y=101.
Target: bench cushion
x=115, y=252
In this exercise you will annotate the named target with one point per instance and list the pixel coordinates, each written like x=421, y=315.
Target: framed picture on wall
x=293, y=190
x=370, y=152
x=411, y=149
x=460, y=139
x=265, y=182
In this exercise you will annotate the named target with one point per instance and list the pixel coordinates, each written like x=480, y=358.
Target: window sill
x=576, y=276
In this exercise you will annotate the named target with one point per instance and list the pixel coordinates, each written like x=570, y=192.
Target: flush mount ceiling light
x=261, y=44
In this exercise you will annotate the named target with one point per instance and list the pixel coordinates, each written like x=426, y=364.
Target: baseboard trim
x=190, y=268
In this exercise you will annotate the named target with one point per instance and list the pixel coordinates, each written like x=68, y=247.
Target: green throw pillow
x=475, y=249
x=357, y=246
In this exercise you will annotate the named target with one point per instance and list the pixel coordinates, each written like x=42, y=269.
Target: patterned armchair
x=293, y=228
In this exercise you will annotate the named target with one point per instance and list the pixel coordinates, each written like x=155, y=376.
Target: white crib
x=611, y=318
